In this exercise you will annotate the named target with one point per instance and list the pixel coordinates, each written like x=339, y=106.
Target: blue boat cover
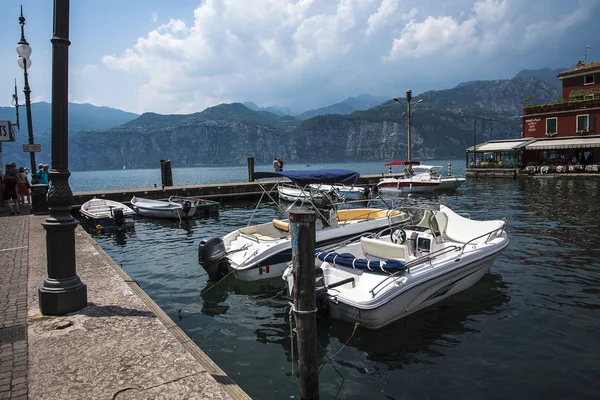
x=326, y=176
x=348, y=260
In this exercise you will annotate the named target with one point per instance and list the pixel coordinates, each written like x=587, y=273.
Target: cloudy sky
x=184, y=56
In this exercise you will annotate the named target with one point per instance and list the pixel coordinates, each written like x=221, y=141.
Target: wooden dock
x=221, y=192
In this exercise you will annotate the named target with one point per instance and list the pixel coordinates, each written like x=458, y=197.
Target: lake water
x=529, y=330
x=83, y=181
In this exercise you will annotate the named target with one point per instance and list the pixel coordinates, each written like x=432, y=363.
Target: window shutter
x=582, y=80
x=596, y=78
x=592, y=123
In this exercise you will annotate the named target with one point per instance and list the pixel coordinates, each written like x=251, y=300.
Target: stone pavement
x=121, y=346
x=13, y=306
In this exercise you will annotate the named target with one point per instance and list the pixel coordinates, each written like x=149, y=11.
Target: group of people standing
x=277, y=164
x=15, y=184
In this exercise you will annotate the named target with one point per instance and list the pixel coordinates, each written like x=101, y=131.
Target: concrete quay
x=121, y=346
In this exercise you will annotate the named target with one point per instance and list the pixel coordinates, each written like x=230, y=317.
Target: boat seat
x=437, y=224
x=99, y=209
x=281, y=225
x=384, y=250
x=263, y=237
x=462, y=230
x=424, y=222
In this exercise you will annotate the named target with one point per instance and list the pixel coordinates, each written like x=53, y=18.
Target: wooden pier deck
x=222, y=192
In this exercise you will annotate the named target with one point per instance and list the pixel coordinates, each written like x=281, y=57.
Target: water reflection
x=426, y=332
x=215, y=294
x=119, y=237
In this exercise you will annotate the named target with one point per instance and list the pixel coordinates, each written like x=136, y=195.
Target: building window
x=551, y=126
x=583, y=123
x=588, y=79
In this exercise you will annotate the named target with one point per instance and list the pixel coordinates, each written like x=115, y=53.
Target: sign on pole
x=6, y=132
x=32, y=148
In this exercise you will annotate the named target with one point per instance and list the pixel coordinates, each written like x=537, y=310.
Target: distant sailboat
x=124, y=167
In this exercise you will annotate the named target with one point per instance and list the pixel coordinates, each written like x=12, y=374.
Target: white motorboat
x=304, y=195
x=378, y=280
x=343, y=191
x=418, y=178
x=163, y=209
x=262, y=251
x=107, y=214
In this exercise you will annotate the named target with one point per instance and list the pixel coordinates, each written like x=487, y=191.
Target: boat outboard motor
x=187, y=206
x=118, y=217
x=367, y=191
x=213, y=258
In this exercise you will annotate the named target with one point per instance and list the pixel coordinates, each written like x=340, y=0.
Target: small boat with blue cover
x=263, y=251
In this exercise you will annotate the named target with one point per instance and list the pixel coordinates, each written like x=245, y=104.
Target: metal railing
x=413, y=263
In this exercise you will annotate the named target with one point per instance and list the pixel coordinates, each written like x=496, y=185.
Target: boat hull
x=164, y=213
x=297, y=195
x=426, y=186
x=414, y=299
x=109, y=223
x=348, y=193
x=161, y=209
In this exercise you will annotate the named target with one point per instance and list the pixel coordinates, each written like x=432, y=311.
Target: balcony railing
x=564, y=105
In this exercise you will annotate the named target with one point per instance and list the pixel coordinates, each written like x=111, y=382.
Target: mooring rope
x=270, y=298
x=292, y=340
x=347, y=341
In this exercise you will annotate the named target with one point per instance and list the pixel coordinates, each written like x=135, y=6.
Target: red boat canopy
x=403, y=162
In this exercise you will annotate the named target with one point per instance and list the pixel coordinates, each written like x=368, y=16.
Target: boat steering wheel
x=400, y=236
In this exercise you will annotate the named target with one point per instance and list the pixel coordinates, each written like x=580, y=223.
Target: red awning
x=403, y=162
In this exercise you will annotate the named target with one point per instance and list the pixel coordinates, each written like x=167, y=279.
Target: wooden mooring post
x=250, y=169
x=166, y=173
x=302, y=224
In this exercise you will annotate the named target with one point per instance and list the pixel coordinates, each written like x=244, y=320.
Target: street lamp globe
x=23, y=61
x=23, y=50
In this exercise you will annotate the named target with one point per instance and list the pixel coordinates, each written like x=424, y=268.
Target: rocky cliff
x=442, y=126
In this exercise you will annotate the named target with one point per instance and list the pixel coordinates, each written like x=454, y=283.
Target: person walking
x=276, y=164
x=23, y=186
x=11, y=192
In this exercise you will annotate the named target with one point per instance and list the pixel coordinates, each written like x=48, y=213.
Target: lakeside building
x=561, y=136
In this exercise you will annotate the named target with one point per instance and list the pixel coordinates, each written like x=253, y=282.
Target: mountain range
x=360, y=128
x=81, y=117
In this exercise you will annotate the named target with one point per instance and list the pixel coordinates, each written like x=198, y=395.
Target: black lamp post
x=409, y=112
x=24, y=51
x=62, y=291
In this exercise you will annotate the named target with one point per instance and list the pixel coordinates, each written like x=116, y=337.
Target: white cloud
x=491, y=10
x=387, y=16
x=434, y=35
x=308, y=53
x=154, y=17
x=86, y=100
